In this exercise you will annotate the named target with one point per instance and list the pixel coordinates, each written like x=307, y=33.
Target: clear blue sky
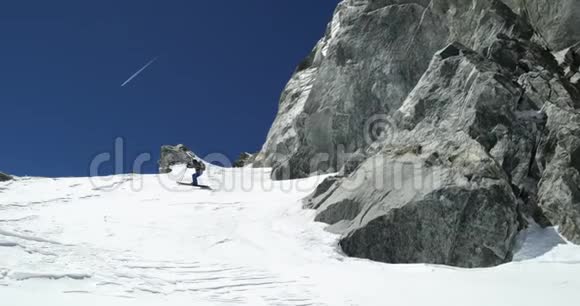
x=215, y=86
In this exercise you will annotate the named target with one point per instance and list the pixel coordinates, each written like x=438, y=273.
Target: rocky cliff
x=453, y=125
x=370, y=59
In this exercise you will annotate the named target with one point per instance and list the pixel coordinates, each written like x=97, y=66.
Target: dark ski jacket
x=197, y=165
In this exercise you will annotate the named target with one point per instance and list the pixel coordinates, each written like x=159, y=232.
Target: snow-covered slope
x=143, y=240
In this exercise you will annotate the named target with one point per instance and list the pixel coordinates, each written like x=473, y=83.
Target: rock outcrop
x=245, y=159
x=5, y=177
x=174, y=155
x=452, y=123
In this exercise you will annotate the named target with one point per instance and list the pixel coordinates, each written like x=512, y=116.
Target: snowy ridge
x=143, y=240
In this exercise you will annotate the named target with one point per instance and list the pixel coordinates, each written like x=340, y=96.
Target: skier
x=199, y=168
x=196, y=164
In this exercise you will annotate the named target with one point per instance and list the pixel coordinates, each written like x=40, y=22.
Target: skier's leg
x=194, y=178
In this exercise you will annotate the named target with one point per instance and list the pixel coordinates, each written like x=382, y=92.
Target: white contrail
x=139, y=71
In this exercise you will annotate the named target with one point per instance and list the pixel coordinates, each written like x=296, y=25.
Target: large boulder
x=447, y=202
x=372, y=56
x=5, y=177
x=174, y=155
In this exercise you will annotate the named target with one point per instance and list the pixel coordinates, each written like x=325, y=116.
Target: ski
x=205, y=187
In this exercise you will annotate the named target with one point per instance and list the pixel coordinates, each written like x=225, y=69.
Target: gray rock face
x=478, y=134
x=371, y=57
x=558, y=22
x=559, y=189
x=5, y=177
x=174, y=155
x=559, y=154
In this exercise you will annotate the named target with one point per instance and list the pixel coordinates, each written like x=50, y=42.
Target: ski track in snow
x=143, y=240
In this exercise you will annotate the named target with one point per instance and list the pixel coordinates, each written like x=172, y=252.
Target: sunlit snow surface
x=144, y=240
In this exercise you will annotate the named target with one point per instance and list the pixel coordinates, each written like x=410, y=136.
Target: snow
x=560, y=56
x=144, y=240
